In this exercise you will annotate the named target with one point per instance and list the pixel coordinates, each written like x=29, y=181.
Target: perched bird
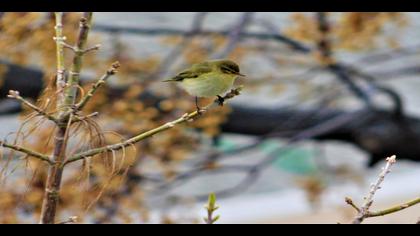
x=208, y=79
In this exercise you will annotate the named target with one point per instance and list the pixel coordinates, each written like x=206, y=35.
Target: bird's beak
x=241, y=75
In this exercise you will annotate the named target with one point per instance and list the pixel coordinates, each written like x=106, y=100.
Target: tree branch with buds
x=111, y=71
x=364, y=212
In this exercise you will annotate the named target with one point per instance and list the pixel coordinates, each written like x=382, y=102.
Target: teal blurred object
x=294, y=160
x=225, y=145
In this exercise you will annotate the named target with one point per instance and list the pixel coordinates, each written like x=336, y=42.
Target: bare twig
x=114, y=147
x=83, y=118
x=16, y=95
x=111, y=71
x=364, y=210
x=387, y=211
x=351, y=203
x=395, y=208
x=26, y=151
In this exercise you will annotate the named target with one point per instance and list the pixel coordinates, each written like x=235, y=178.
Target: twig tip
x=392, y=159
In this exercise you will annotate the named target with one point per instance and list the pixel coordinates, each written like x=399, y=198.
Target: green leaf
x=212, y=201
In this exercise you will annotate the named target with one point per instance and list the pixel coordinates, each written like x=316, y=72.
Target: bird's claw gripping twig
x=220, y=100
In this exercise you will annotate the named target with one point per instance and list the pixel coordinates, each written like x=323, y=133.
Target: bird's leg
x=221, y=100
x=199, y=111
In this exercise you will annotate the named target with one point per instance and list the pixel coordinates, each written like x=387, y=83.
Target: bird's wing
x=195, y=71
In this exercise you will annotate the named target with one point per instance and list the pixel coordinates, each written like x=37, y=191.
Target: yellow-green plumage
x=209, y=84
x=208, y=79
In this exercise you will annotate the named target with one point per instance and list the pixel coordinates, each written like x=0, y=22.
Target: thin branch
x=387, y=211
x=351, y=203
x=172, y=57
x=94, y=48
x=235, y=35
x=364, y=210
x=27, y=151
x=185, y=118
x=111, y=71
x=82, y=118
x=395, y=208
x=16, y=95
x=79, y=51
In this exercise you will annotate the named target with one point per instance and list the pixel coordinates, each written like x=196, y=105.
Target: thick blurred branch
x=396, y=136
x=169, y=31
x=380, y=133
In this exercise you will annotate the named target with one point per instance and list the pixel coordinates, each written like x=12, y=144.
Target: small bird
x=208, y=79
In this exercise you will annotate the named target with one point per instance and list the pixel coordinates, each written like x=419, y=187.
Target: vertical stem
x=55, y=171
x=59, y=38
x=66, y=98
x=74, y=76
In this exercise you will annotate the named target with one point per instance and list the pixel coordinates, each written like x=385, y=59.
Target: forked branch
x=364, y=211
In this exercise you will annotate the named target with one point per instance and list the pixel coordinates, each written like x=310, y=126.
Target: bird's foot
x=220, y=100
x=200, y=111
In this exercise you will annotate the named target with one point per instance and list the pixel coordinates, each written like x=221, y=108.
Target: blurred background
x=327, y=97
